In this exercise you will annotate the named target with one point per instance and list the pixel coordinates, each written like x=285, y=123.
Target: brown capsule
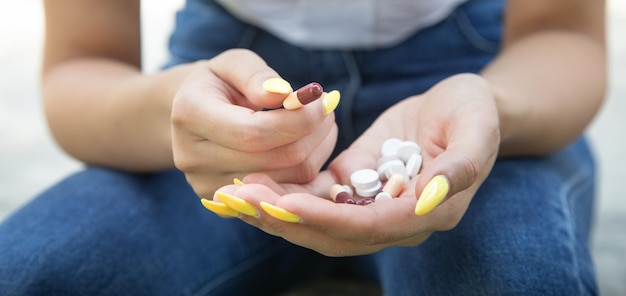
x=303, y=96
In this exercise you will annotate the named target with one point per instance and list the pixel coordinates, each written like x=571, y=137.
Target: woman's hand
x=220, y=131
x=455, y=123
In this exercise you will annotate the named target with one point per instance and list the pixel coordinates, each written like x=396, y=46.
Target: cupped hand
x=455, y=123
x=225, y=125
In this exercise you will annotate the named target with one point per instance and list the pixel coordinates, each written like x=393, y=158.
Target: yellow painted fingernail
x=238, y=182
x=280, y=213
x=237, y=204
x=219, y=208
x=277, y=86
x=433, y=194
x=330, y=101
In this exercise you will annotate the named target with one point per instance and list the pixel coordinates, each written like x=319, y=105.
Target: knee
x=32, y=265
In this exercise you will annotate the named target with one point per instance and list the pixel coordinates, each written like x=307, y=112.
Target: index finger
x=245, y=71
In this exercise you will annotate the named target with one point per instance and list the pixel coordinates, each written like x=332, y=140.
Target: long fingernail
x=238, y=182
x=277, y=86
x=433, y=194
x=237, y=204
x=280, y=213
x=330, y=101
x=219, y=208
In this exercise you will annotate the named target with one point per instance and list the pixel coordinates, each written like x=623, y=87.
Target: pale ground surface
x=30, y=161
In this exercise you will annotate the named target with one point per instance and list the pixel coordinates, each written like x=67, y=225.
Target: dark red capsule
x=342, y=197
x=309, y=93
x=303, y=96
x=365, y=201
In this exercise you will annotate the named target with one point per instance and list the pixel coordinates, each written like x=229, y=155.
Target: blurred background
x=30, y=161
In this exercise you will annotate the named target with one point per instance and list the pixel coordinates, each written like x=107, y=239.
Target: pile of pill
x=399, y=162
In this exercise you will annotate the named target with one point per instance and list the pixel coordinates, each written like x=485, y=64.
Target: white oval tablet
x=369, y=192
x=413, y=165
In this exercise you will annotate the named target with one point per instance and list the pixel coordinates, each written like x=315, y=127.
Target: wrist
x=512, y=114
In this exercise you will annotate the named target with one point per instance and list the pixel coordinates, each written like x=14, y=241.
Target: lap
x=110, y=232
x=107, y=231
x=525, y=232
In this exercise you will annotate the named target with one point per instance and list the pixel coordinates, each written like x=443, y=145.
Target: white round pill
x=382, y=169
x=397, y=169
x=406, y=149
x=369, y=192
x=413, y=165
x=348, y=189
x=364, y=179
x=390, y=146
x=386, y=158
x=383, y=196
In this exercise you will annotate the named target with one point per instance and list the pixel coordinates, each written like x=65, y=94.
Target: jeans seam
x=349, y=94
x=470, y=33
x=571, y=183
x=248, y=37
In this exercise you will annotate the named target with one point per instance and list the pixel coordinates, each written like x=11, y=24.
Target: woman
x=496, y=94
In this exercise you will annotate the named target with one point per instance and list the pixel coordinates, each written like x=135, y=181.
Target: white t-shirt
x=340, y=24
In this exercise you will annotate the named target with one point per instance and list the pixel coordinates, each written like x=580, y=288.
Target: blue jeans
x=104, y=231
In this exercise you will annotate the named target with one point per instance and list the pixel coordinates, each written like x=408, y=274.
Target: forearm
x=108, y=113
x=548, y=87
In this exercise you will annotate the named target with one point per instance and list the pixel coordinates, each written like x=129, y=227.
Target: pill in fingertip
x=303, y=96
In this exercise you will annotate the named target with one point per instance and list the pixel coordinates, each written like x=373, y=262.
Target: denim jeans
x=109, y=232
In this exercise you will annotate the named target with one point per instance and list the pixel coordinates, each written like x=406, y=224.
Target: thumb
x=246, y=72
x=449, y=173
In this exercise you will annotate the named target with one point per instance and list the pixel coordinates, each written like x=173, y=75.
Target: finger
x=331, y=229
x=246, y=72
x=297, y=169
x=377, y=224
x=317, y=187
x=467, y=160
x=246, y=130
x=274, y=221
x=309, y=153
